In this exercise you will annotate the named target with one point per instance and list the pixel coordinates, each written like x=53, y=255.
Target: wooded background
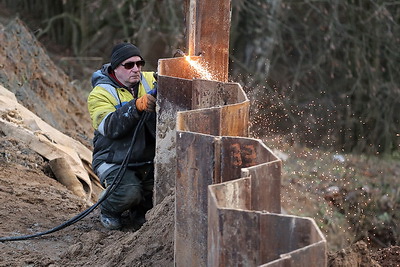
x=322, y=73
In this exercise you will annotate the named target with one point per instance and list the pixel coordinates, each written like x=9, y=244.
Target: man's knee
x=133, y=195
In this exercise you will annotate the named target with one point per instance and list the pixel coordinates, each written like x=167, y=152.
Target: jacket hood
x=101, y=76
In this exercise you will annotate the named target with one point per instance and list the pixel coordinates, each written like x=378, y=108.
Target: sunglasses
x=130, y=65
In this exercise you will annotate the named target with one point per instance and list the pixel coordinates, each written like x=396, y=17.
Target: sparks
x=201, y=70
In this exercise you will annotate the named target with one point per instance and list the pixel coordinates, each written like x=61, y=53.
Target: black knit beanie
x=122, y=52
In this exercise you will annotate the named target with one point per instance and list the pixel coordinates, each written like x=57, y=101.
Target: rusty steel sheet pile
x=226, y=184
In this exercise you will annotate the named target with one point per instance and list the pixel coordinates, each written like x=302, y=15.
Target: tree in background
x=324, y=73
x=92, y=28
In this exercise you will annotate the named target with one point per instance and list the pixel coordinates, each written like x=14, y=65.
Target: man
x=120, y=101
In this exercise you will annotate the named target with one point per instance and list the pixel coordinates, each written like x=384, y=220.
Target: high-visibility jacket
x=114, y=117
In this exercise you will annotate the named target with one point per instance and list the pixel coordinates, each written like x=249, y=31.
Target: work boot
x=137, y=217
x=110, y=222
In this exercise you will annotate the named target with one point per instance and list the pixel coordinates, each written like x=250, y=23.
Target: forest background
x=320, y=74
x=323, y=73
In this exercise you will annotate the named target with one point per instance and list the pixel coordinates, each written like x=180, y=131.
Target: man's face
x=130, y=73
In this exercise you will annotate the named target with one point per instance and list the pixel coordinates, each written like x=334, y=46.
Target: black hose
x=108, y=191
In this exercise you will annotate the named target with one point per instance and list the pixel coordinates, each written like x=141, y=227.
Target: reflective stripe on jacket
x=115, y=117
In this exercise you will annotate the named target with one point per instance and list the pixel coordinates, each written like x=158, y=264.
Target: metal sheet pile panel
x=178, y=94
x=265, y=185
x=237, y=246
x=241, y=152
x=195, y=167
x=230, y=120
x=201, y=121
x=174, y=94
x=234, y=195
x=208, y=27
x=179, y=68
x=277, y=240
x=227, y=186
x=250, y=175
x=209, y=94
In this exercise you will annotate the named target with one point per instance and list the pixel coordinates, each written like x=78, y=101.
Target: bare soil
x=33, y=201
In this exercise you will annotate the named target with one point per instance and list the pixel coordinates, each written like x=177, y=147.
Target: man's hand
x=146, y=103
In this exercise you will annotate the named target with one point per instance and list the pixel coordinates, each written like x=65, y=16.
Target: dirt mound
x=388, y=256
x=359, y=254
x=356, y=255
x=33, y=202
x=39, y=85
x=151, y=245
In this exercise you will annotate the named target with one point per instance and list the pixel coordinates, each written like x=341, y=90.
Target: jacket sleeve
x=110, y=121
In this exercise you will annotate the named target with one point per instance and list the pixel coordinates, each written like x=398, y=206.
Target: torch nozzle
x=179, y=52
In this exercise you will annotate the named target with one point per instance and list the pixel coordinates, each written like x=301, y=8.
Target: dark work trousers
x=134, y=192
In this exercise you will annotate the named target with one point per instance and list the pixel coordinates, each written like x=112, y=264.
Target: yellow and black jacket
x=114, y=117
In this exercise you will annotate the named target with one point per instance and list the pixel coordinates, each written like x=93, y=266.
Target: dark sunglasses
x=130, y=65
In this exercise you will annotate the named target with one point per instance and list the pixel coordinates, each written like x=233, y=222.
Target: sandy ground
x=33, y=202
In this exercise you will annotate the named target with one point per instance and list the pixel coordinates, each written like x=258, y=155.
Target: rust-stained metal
x=229, y=120
x=215, y=108
x=195, y=167
x=207, y=27
x=265, y=186
x=226, y=185
x=191, y=26
x=179, y=67
x=251, y=238
x=174, y=94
